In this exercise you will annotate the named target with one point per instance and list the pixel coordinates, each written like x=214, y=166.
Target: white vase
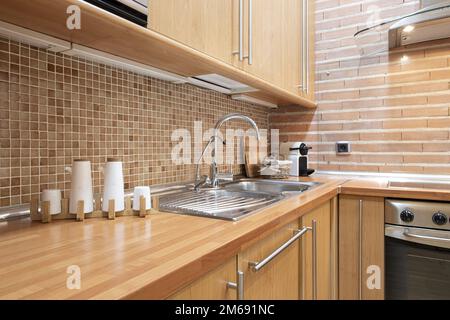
x=81, y=189
x=113, y=187
x=141, y=192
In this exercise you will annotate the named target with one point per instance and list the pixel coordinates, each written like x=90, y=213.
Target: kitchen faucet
x=213, y=180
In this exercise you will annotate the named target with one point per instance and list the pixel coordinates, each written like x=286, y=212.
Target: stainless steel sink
x=232, y=201
x=270, y=186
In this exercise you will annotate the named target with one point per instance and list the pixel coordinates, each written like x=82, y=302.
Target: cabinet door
x=212, y=286
x=316, y=275
x=279, y=278
x=275, y=44
x=361, y=248
x=263, y=43
x=205, y=25
x=291, y=45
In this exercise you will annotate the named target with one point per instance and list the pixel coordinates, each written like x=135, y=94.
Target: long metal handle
x=418, y=236
x=256, y=266
x=360, y=249
x=250, y=32
x=429, y=237
x=314, y=259
x=305, y=48
x=239, y=286
x=240, y=51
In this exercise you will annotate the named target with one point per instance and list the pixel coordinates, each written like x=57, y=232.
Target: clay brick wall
x=392, y=106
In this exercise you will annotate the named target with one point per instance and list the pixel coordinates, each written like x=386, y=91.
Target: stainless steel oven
x=417, y=249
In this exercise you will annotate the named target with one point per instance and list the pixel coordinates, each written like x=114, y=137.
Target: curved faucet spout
x=237, y=116
x=220, y=122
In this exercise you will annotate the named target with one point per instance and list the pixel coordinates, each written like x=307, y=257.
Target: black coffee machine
x=298, y=154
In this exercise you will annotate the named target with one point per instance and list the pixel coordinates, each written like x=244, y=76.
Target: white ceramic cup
x=81, y=186
x=113, y=188
x=138, y=193
x=54, y=197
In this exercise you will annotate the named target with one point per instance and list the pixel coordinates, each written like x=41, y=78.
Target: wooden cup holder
x=80, y=211
x=40, y=210
x=45, y=212
x=111, y=209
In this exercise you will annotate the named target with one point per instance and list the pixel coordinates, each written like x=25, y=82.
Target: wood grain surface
x=152, y=258
x=133, y=258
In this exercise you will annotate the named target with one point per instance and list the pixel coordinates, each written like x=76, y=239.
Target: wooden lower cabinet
x=361, y=248
x=316, y=277
x=292, y=274
x=212, y=286
x=279, y=278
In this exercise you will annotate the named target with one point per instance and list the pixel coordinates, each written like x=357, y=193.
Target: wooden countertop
x=152, y=257
x=132, y=257
x=379, y=187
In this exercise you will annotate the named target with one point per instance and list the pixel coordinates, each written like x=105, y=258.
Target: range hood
x=431, y=22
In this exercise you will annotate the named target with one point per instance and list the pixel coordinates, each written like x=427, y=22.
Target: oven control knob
x=407, y=215
x=439, y=218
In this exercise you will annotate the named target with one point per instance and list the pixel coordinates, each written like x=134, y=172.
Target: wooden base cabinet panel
x=279, y=278
x=287, y=264
x=316, y=276
x=212, y=286
x=361, y=248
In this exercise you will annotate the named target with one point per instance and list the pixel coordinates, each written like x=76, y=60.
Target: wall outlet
x=343, y=147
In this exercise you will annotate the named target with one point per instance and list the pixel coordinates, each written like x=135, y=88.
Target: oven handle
x=418, y=236
x=429, y=237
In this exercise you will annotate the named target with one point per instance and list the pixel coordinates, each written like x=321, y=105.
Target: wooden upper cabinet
x=361, y=248
x=205, y=25
x=274, y=46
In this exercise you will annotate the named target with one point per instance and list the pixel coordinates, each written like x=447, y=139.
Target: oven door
x=417, y=263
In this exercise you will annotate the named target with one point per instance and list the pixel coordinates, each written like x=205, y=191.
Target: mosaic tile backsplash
x=56, y=108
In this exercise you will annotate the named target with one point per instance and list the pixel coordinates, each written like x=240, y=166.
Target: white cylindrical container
x=54, y=197
x=138, y=193
x=81, y=186
x=113, y=188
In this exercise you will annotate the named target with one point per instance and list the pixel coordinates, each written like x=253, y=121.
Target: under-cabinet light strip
x=245, y=98
x=33, y=38
x=106, y=58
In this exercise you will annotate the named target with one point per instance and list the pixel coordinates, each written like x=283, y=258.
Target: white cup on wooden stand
x=113, y=188
x=54, y=199
x=142, y=192
x=81, y=186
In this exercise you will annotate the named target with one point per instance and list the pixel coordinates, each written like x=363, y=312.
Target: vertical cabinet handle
x=360, y=249
x=313, y=229
x=314, y=259
x=239, y=286
x=250, y=32
x=305, y=47
x=241, y=31
x=240, y=52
